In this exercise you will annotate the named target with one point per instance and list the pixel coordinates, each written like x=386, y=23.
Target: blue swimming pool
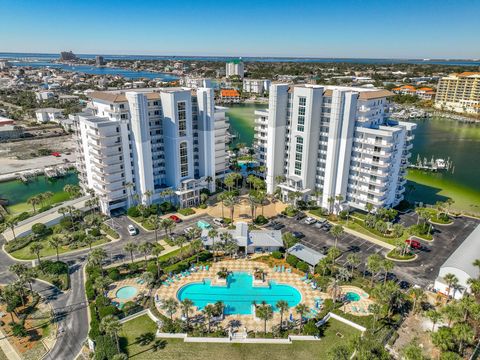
x=352, y=296
x=239, y=294
x=126, y=292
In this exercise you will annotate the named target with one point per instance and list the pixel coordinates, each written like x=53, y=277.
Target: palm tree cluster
x=222, y=242
x=41, y=199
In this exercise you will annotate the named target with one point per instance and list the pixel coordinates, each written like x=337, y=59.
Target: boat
x=434, y=164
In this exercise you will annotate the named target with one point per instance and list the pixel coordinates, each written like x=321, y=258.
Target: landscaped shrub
x=66, y=222
x=54, y=267
x=202, y=206
x=310, y=328
x=290, y=211
x=186, y=211
x=292, y=260
x=89, y=290
x=167, y=207
x=94, y=232
x=105, y=348
x=277, y=254
x=19, y=330
x=109, y=231
x=114, y=274
x=39, y=229
x=107, y=310
x=23, y=216
x=260, y=220
x=302, y=266
x=18, y=244
x=133, y=212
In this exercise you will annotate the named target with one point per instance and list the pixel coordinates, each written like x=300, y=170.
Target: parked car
x=278, y=226
x=187, y=230
x=132, y=230
x=175, y=218
x=318, y=225
x=326, y=227
x=219, y=222
x=202, y=224
x=298, y=234
x=300, y=216
x=414, y=244
x=310, y=221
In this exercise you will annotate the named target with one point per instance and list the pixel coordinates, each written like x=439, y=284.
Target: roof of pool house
x=306, y=254
x=245, y=237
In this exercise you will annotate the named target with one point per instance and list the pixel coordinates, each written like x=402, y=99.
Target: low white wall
x=348, y=322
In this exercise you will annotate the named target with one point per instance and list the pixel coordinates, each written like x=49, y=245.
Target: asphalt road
x=70, y=307
x=422, y=271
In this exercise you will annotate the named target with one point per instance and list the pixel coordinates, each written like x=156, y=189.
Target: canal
x=17, y=193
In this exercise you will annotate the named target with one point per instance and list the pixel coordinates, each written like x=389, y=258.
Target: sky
x=336, y=28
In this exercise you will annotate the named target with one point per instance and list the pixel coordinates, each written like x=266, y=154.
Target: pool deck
x=112, y=292
x=357, y=308
x=245, y=321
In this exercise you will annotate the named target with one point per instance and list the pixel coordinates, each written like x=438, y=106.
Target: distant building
x=460, y=264
x=99, y=60
x=196, y=83
x=67, y=56
x=229, y=96
x=44, y=95
x=10, y=132
x=4, y=65
x=424, y=93
x=234, y=68
x=256, y=86
x=49, y=114
x=459, y=93
x=6, y=121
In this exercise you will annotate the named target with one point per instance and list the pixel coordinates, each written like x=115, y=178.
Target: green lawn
x=22, y=207
x=354, y=226
x=177, y=349
x=25, y=254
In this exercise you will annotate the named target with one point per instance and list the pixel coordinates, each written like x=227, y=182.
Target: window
x=298, y=156
x=376, y=149
x=298, y=168
x=182, y=118
x=300, y=128
x=376, y=159
x=183, y=160
x=302, y=101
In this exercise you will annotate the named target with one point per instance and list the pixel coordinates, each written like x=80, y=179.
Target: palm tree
x=129, y=187
x=209, y=311
x=63, y=211
x=369, y=207
x=170, y=306
x=11, y=223
x=130, y=247
x=111, y=326
x=331, y=201
x=353, y=260
x=301, y=309
x=333, y=288
x=230, y=201
x=148, y=278
x=264, y=312
x=196, y=246
x=336, y=231
x=186, y=305
x=167, y=224
x=374, y=265
x=180, y=241
x=212, y=234
x=418, y=295
x=434, y=317
x=208, y=179
x=55, y=242
x=158, y=345
x=155, y=221
x=34, y=200
x=146, y=249
x=452, y=281
x=36, y=248
x=148, y=194
x=339, y=198
x=156, y=252
x=464, y=334
x=102, y=284
x=387, y=266
x=222, y=197
x=282, y=307
x=24, y=273
x=96, y=257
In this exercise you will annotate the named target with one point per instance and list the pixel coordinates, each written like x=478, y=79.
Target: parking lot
x=422, y=271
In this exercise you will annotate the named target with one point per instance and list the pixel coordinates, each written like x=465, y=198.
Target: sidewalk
x=8, y=348
x=49, y=218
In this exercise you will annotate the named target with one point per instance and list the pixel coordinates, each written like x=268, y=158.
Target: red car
x=414, y=244
x=175, y=218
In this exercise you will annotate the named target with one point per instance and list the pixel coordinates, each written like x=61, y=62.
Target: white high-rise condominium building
x=327, y=142
x=256, y=86
x=137, y=144
x=234, y=68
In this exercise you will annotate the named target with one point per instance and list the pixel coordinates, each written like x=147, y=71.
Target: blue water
x=351, y=296
x=453, y=62
x=239, y=294
x=93, y=70
x=126, y=292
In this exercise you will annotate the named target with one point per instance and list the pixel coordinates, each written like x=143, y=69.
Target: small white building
x=49, y=114
x=249, y=241
x=44, y=95
x=460, y=264
x=196, y=83
x=256, y=86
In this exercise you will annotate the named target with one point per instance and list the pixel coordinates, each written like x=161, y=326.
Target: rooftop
x=306, y=254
